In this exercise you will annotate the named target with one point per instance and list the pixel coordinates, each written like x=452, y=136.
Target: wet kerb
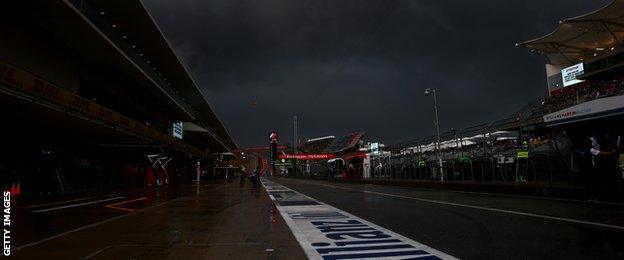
x=326, y=232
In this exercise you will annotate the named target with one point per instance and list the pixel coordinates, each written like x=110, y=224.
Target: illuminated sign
x=274, y=137
x=569, y=74
x=322, y=156
x=177, y=130
x=374, y=147
x=321, y=138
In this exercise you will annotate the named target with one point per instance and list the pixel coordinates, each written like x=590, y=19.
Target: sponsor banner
x=590, y=109
x=325, y=232
x=354, y=155
x=38, y=87
x=322, y=156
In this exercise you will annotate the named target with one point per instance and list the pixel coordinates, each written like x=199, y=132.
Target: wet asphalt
x=207, y=221
x=481, y=226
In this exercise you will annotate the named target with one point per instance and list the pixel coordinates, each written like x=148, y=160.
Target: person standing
x=255, y=177
x=242, y=178
x=149, y=176
x=603, y=150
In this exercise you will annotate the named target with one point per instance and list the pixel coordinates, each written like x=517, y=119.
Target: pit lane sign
x=177, y=130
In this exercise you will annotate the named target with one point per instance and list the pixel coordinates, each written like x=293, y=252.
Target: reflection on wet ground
x=217, y=221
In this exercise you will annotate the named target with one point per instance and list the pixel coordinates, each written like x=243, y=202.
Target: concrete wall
x=553, y=76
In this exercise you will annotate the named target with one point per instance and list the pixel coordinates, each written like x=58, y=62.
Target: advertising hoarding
x=591, y=109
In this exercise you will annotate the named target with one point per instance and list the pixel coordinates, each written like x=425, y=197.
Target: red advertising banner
x=35, y=86
x=357, y=154
x=322, y=156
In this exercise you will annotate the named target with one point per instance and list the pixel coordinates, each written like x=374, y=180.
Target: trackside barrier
x=538, y=167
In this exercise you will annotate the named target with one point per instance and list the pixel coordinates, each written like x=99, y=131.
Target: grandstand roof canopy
x=345, y=143
x=133, y=20
x=598, y=33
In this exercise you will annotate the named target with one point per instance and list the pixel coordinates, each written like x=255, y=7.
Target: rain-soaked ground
x=216, y=221
x=225, y=220
x=480, y=226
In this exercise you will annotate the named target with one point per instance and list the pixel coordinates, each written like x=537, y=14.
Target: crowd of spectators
x=583, y=92
x=493, y=147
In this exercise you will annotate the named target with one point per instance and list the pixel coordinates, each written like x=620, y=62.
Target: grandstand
x=347, y=152
x=546, y=140
x=345, y=144
x=90, y=86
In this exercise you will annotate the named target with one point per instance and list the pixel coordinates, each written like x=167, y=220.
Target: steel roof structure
x=595, y=34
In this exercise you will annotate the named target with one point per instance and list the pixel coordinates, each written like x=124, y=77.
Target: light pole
x=295, y=152
x=429, y=91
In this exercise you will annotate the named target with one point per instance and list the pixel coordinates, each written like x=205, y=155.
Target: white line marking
x=75, y=205
x=97, y=252
x=484, y=208
x=116, y=205
x=501, y=210
x=172, y=245
x=53, y=203
x=499, y=194
x=523, y=196
x=307, y=235
x=127, y=201
x=93, y=225
x=299, y=235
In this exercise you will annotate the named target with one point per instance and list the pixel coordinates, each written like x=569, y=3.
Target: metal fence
x=542, y=167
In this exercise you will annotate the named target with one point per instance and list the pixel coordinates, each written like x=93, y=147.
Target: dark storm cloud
x=361, y=65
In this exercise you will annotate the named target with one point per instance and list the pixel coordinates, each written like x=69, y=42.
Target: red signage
x=322, y=156
x=357, y=154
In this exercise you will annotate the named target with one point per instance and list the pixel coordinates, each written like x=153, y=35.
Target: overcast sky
x=343, y=65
